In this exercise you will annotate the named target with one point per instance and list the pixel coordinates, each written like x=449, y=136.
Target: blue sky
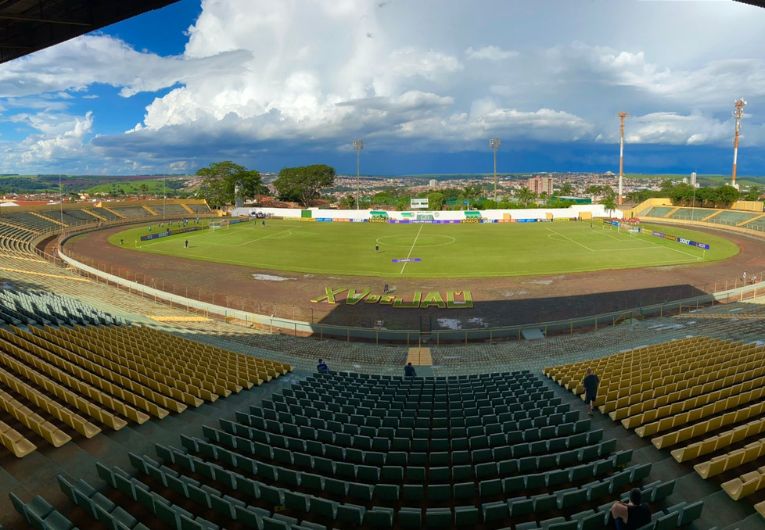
x=276, y=83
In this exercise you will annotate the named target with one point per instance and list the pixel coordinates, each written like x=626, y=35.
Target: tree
x=753, y=194
x=347, y=203
x=525, y=196
x=726, y=196
x=304, y=184
x=609, y=203
x=435, y=200
x=219, y=181
x=566, y=189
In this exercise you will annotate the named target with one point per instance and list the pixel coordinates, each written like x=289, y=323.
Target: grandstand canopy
x=30, y=25
x=758, y=3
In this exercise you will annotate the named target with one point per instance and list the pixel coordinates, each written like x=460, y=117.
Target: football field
x=442, y=251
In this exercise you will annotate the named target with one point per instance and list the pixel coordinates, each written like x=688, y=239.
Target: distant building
x=693, y=179
x=433, y=183
x=540, y=185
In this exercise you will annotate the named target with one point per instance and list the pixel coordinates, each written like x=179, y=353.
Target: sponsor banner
x=690, y=243
x=682, y=240
x=239, y=220
x=525, y=220
x=406, y=260
x=168, y=233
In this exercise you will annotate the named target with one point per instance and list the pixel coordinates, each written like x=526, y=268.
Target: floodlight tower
x=494, y=144
x=738, y=113
x=622, y=116
x=358, y=145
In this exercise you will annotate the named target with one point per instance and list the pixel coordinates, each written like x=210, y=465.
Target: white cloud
x=61, y=139
x=674, y=128
x=714, y=84
x=490, y=53
x=258, y=76
x=80, y=62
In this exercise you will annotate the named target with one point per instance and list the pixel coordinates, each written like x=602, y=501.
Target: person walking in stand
x=322, y=367
x=409, y=370
x=590, y=383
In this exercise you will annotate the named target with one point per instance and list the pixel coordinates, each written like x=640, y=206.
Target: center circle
x=406, y=241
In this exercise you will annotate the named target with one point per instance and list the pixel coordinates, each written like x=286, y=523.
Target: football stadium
x=158, y=360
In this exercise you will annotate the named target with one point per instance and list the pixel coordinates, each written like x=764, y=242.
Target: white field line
x=412, y=248
x=571, y=240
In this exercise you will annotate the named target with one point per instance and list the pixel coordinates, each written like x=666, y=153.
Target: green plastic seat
x=667, y=522
x=296, y=501
x=468, y=516
x=494, y=511
x=464, y=490
x=392, y=474
x=415, y=474
x=690, y=513
x=387, y=492
x=520, y=506
x=379, y=517
x=439, y=493
x=572, y=499
x=336, y=487
x=544, y=503
x=413, y=492
x=598, y=490
x=324, y=508
x=350, y=513
x=488, y=489
x=410, y=518
x=438, y=518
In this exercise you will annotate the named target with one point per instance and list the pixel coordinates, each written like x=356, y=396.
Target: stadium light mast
x=738, y=113
x=61, y=200
x=622, y=116
x=358, y=145
x=494, y=144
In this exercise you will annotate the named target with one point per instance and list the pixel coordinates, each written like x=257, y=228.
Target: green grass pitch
x=447, y=251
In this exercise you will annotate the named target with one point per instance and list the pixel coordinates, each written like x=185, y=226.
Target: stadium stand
x=757, y=224
x=658, y=211
x=22, y=267
x=733, y=218
x=29, y=220
x=349, y=451
x=105, y=213
x=700, y=396
x=132, y=211
x=691, y=214
x=93, y=367
x=176, y=210
x=39, y=307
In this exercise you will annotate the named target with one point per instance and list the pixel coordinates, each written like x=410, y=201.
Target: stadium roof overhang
x=758, y=3
x=30, y=25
